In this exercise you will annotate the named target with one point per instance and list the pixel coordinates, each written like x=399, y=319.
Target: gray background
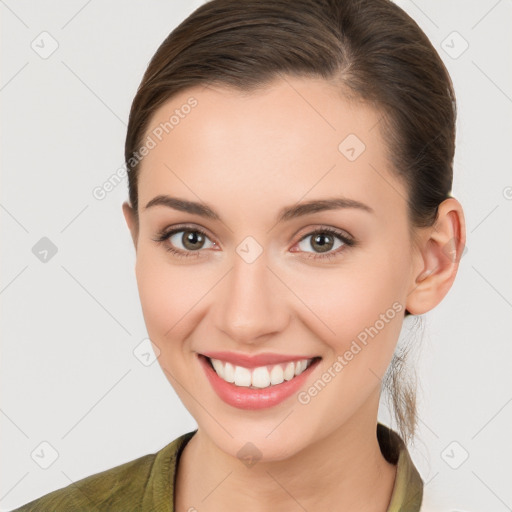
x=71, y=320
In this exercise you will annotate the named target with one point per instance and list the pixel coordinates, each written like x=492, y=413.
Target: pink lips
x=249, y=398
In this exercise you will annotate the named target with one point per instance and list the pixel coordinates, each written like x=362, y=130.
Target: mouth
x=259, y=377
x=257, y=387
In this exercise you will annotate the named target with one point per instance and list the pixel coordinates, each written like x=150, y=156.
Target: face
x=236, y=276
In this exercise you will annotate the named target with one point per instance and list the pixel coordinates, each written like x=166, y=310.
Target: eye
x=185, y=241
x=326, y=242
x=188, y=241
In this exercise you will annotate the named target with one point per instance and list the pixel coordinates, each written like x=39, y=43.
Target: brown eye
x=325, y=242
x=183, y=241
x=189, y=240
x=192, y=240
x=321, y=242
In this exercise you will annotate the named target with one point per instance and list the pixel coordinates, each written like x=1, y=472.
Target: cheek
x=174, y=298
x=358, y=317
x=359, y=304
x=165, y=294
x=155, y=291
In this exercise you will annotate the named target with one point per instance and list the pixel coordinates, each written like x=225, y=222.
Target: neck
x=344, y=470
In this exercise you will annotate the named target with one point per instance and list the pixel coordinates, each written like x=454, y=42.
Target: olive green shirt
x=147, y=483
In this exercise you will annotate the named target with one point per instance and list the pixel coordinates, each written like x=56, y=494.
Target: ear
x=440, y=249
x=131, y=221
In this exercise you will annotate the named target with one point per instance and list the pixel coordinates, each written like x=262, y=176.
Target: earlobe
x=131, y=221
x=440, y=252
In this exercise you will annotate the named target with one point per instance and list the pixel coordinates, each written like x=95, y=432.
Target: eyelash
x=348, y=242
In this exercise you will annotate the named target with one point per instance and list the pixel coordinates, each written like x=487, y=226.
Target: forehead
x=292, y=138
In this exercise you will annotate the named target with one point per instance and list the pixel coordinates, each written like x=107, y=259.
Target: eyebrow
x=285, y=214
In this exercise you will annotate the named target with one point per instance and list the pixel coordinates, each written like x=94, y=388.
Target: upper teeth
x=260, y=377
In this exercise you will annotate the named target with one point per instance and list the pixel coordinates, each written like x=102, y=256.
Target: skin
x=247, y=156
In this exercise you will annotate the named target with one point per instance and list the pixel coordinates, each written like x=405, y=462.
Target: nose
x=251, y=306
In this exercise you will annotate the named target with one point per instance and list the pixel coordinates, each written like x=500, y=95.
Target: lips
x=241, y=394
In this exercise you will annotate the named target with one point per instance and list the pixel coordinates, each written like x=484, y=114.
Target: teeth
x=300, y=367
x=242, y=376
x=276, y=375
x=260, y=377
x=289, y=371
x=219, y=367
x=229, y=371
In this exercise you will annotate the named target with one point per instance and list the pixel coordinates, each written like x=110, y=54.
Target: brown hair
x=372, y=50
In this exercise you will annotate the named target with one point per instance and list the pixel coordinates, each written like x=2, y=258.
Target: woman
x=289, y=203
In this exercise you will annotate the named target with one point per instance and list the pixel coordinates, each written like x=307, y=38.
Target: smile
x=256, y=382
x=261, y=376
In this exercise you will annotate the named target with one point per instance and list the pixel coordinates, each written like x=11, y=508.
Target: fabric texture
x=147, y=483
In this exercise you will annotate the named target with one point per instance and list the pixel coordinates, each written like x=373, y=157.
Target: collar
x=406, y=496
x=408, y=489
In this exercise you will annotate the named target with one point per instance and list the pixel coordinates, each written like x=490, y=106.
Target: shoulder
x=101, y=491
x=121, y=488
